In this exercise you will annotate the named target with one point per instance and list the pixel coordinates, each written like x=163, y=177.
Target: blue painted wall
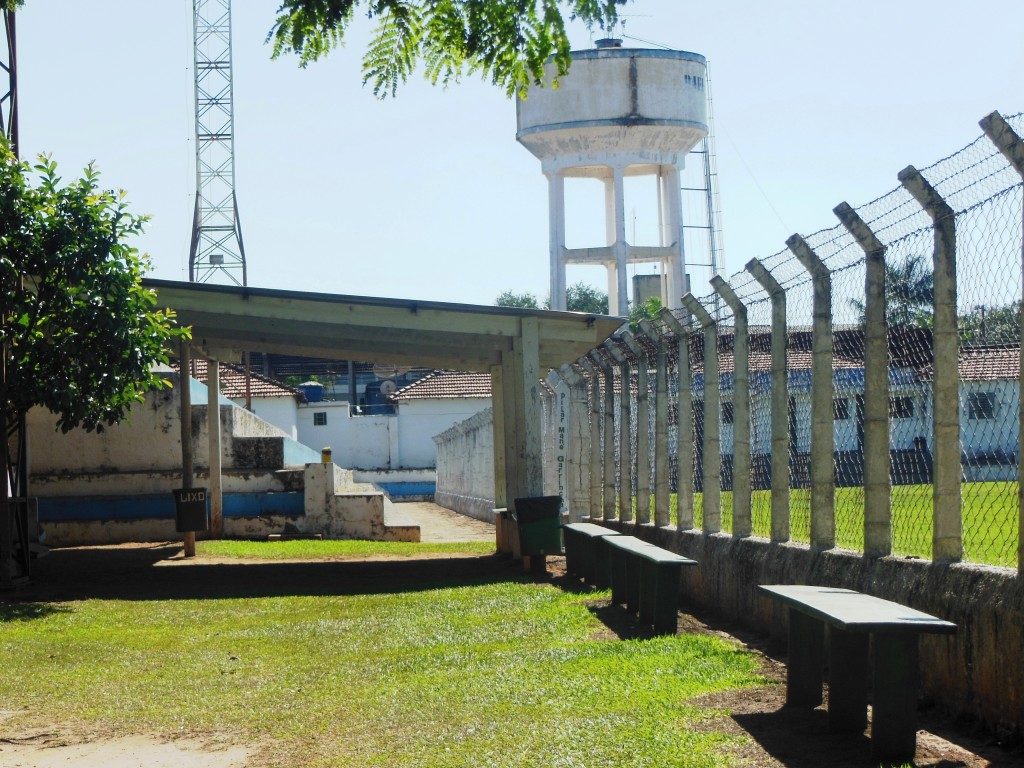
x=161, y=507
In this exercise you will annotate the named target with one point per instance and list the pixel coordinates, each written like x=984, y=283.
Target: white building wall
x=282, y=412
x=357, y=442
x=465, y=467
x=420, y=420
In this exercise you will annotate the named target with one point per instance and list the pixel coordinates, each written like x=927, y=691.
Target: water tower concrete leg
x=621, y=246
x=556, y=223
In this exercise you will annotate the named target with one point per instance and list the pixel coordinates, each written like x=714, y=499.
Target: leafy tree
x=508, y=41
x=524, y=300
x=82, y=333
x=909, y=294
x=649, y=310
x=580, y=297
x=992, y=325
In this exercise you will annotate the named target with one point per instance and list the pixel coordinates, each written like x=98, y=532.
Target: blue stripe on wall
x=161, y=507
x=398, y=490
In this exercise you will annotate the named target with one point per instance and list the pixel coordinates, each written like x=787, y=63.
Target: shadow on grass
x=157, y=573
x=12, y=611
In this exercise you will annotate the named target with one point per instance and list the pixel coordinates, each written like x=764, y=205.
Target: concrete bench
x=585, y=552
x=647, y=579
x=853, y=618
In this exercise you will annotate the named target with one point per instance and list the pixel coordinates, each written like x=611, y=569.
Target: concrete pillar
x=501, y=499
x=594, y=456
x=674, y=225
x=556, y=230
x=577, y=439
x=712, y=445
x=608, y=470
x=684, y=421
x=779, y=401
x=643, y=425
x=742, y=524
x=625, y=448
x=823, y=436
x=1012, y=147
x=621, y=246
x=528, y=407
x=947, y=543
x=662, y=515
x=877, y=459
x=511, y=427
x=185, y=417
x=213, y=431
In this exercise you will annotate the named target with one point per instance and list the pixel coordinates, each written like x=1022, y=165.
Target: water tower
x=618, y=112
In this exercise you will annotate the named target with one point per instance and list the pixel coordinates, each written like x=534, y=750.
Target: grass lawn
x=311, y=549
x=492, y=672
x=990, y=519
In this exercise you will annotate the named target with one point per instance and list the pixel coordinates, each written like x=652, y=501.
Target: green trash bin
x=538, y=519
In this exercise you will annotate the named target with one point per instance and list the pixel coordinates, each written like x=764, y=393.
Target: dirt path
x=440, y=524
x=47, y=751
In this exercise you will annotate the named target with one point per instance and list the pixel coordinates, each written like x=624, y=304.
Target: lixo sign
x=191, y=509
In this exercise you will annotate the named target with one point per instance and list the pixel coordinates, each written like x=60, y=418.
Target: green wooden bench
x=585, y=552
x=647, y=580
x=853, y=618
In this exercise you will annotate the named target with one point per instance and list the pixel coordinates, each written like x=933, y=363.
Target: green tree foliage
x=82, y=332
x=507, y=41
x=992, y=325
x=909, y=294
x=649, y=310
x=580, y=297
x=525, y=300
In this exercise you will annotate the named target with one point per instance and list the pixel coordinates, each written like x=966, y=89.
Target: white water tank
x=618, y=112
x=617, y=100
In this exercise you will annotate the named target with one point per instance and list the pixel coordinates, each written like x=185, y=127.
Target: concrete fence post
x=661, y=483
x=823, y=436
x=594, y=456
x=1010, y=143
x=712, y=443
x=643, y=426
x=779, y=401
x=742, y=524
x=875, y=448
x=577, y=458
x=625, y=447
x=684, y=421
x=608, y=470
x=947, y=537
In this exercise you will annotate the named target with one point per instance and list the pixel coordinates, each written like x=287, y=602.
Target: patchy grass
x=990, y=519
x=486, y=674
x=314, y=549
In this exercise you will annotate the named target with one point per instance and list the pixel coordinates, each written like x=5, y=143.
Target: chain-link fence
x=983, y=193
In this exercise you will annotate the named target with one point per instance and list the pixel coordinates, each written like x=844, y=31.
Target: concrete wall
x=974, y=672
x=282, y=412
x=401, y=441
x=465, y=467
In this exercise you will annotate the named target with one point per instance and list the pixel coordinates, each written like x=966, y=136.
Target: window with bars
x=981, y=405
x=319, y=418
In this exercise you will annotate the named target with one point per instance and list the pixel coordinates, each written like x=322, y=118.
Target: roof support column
x=185, y=417
x=712, y=444
x=498, y=400
x=823, y=438
x=1012, y=147
x=528, y=408
x=742, y=525
x=779, y=402
x=213, y=431
x=947, y=541
x=593, y=457
x=877, y=459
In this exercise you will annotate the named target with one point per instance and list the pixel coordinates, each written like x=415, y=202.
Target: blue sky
x=429, y=196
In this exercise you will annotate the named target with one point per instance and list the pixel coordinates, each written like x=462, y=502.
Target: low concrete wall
x=465, y=467
x=976, y=673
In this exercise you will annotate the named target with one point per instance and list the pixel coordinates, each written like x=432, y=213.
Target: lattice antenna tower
x=9, y=82
x=216, y=250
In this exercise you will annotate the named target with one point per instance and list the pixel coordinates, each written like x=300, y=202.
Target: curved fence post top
x=926, y=195
x=693, y=304
x=765, y=278
x=723, y=289
x=858, y=229
x=674, y=324
x=631, y=341
x=808, y=259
